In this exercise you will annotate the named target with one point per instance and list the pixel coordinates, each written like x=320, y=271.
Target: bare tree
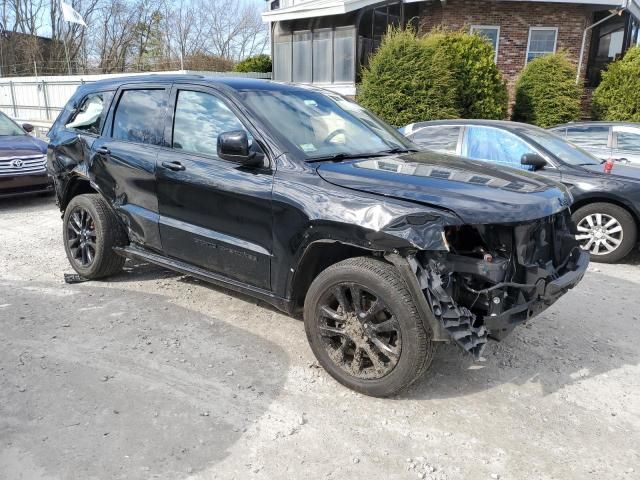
x=124, y=35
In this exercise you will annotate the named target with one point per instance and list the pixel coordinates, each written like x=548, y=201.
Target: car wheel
x=608, y=231
x=91, y=231
x=364, y=327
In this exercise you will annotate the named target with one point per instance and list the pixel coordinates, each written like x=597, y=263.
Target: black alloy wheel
x=91, y=232
x=359, y=331
x=81, y=236
x=364, y=328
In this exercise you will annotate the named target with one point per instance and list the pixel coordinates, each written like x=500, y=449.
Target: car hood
x=478, y=192
x=619, y=170
x=21, y=145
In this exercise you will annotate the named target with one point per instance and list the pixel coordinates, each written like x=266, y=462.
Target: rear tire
x=364, y=328
x=91, y=231
x=608, y=231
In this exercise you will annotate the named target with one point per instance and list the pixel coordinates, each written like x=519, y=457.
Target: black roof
x=234, y=83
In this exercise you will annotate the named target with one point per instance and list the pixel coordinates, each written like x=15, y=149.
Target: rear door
x=124, y=158
x=595, y=139
x=626, y=146
x=439, y=138
x=214, y=214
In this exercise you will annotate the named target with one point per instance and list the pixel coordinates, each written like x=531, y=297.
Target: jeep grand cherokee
x=309, y=202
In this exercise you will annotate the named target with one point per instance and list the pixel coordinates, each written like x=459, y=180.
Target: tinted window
x=588, y=137
x=494, y=145
x=199, y=119
x=439, y=139
x=139, y=116
x=90, y=115
x=629, y=141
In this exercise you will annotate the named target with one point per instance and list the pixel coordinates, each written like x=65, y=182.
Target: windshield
x=8, y=127
x=322, y=125
x=565, y=151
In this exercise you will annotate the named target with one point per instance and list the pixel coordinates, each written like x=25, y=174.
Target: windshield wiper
x=345, y=156
x=400, y=150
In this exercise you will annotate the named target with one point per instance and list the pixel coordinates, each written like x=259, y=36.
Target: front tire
x=91, y=231
x=364, y=328
x=606, y=230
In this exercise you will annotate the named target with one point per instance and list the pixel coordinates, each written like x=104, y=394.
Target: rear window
x=90, y=115
x=139, y=116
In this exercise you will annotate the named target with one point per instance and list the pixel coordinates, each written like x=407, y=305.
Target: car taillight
x=608, y=165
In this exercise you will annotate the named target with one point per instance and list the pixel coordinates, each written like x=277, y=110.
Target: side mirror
x=234, y=146
x=533, y=159
x=27, y=127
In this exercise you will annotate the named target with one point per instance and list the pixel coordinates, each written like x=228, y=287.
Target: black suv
x=307, y=201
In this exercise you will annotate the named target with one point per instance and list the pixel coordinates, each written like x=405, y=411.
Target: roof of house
x=321, y=8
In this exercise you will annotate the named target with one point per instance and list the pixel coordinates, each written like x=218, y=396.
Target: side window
x=89, y=116
x=199, y=119
x=494, y=145
x=139, y=116
x=629, y=142
x=588, y=137
x=438, y=139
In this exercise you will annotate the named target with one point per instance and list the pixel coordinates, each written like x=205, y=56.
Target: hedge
x=406, y=82
x=546, y=92
x=481, y=90
x=617, y=98
x=258, y=63
x=445, y=74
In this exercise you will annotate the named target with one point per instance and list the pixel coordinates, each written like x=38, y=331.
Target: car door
x=595, y=139
x=439, y=138
x=626, y=144
x=124, y=158
x=496, y=145
x=214, y=214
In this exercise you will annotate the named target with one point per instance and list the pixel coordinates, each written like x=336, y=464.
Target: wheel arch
x=318, y=256
x=583, y=202
x=77, y=185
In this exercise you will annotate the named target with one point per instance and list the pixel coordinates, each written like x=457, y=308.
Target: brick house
x=326, y=42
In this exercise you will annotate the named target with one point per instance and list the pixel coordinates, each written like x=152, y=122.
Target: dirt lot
x=156, y=375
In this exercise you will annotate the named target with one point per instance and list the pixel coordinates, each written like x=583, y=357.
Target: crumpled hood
x=478, y=192
x=21, y=145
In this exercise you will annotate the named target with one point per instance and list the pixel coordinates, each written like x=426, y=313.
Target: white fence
x=38, y=100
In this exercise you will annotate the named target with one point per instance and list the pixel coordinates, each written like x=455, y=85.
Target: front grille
x=22, y=165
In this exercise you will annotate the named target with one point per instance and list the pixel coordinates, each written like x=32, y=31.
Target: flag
x=70, y=15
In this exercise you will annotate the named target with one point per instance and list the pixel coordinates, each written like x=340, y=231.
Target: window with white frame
x=491, y=33
x=542, y=41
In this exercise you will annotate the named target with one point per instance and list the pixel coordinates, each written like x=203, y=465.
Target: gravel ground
x=156, y=375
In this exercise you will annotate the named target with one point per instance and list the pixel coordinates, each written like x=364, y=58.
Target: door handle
x=175, y=166
x=103, y=150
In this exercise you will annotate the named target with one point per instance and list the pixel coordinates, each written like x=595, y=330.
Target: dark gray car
x=617, y=140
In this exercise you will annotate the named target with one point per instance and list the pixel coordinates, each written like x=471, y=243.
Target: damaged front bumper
x=495, y=277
